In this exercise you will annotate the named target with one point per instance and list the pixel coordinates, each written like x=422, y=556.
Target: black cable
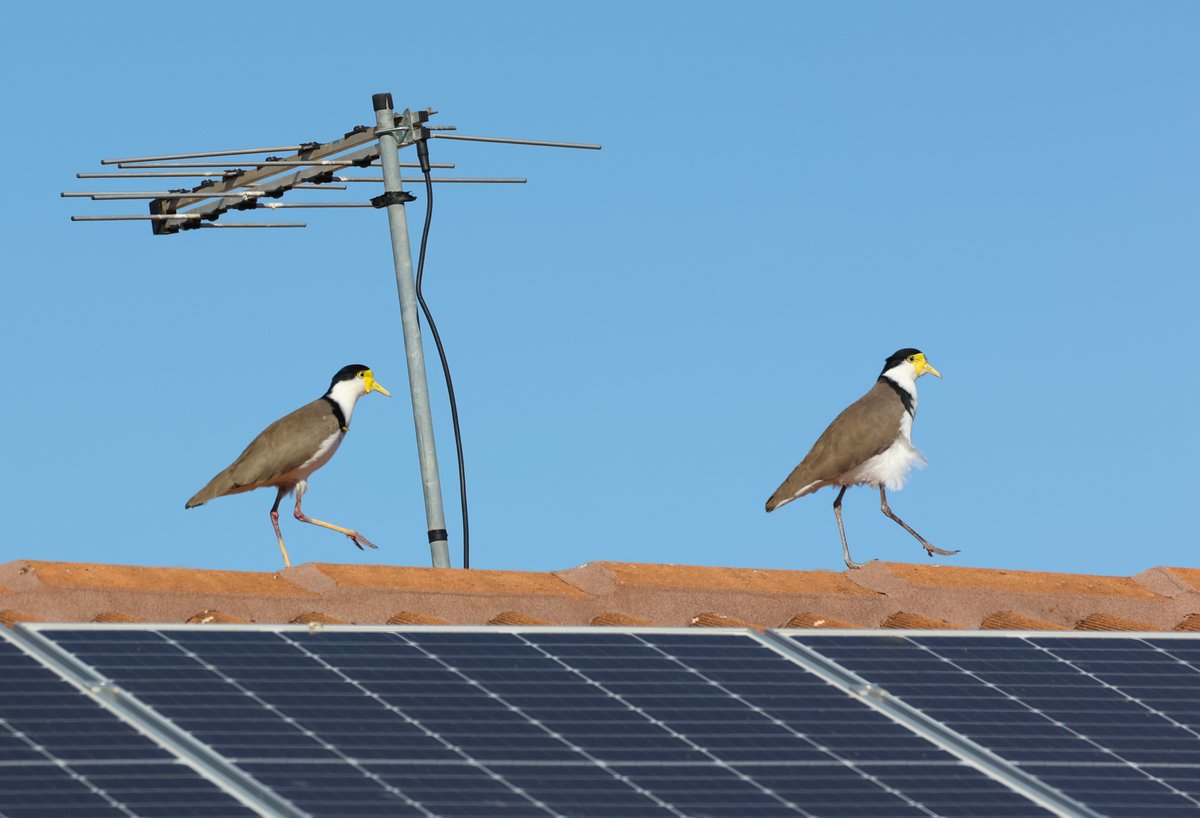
x=423, y=156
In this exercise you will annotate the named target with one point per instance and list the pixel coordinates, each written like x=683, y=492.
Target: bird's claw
x=932, y=549
x=359, y=540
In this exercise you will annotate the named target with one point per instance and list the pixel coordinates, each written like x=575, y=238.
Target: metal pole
x=435, y=516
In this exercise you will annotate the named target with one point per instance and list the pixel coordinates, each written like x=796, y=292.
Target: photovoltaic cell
x=1112, y=722
x=62, y=755
x=593, y=723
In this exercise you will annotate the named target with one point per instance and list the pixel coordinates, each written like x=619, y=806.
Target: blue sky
x=645, y=340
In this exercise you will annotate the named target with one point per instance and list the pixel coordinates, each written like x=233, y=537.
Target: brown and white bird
x=869, y=443
x=288, y=451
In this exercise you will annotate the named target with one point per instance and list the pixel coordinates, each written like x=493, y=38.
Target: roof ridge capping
x=25, y=575
x=602, y=577
x=886, y=577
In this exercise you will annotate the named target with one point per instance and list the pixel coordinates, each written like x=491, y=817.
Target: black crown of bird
x=286, y=453
x=868, y=444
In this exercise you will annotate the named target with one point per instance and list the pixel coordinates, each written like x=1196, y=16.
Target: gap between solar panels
x=671, y=721
x=247, y=185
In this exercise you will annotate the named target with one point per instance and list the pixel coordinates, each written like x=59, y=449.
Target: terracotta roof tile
x=812, y=620
x=903, y=621
x=515, y=618
x=214, y=618
x=747, y=580
x=1011, y=621
x=115, y=616
x=716, y=620
x=414, y=618
x=1189, y=578
x=1191, y=622
x=1025, y=582
x=8, y=616
x=172, y=580
x=317, y=618
x=1108, y=622
x=456, y=581
x=621, y=620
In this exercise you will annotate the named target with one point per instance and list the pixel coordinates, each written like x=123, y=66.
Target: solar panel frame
x=648, y=690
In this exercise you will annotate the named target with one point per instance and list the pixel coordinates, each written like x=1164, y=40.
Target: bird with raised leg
x=288, y=451
x=869, y=444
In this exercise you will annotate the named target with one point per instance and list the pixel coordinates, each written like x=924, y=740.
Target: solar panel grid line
x=1110, y=738
x=1132, y=699
x=391, y=708
x=198, y=757
x=89, y=785
x=685, y=739
x=1137, y=702
x=582, y=752
x=391, y=639
x=974, y=754
x=89, y=714
x=316, y=737
x=862, y=794
x=1157, y=713
x=883, y=785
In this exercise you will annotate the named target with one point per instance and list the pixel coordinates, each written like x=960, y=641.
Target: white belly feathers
x=890, y=467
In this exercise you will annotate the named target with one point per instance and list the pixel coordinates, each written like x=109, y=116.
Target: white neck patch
x=904, y=375
x=345, y=394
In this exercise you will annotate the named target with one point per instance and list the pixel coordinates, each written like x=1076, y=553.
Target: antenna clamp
x=392, y=197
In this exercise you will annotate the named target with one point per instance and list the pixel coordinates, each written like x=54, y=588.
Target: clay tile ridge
x=814, y=620
x=711, y=619
x=604, y=594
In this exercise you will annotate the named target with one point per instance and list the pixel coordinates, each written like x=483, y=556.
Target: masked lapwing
x=293, y=447
x=867, y=444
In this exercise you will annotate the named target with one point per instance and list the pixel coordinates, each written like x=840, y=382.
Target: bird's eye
x=912, y=359
x=363, y=374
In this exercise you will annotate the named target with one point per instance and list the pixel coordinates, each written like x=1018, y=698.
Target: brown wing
x=274, y=453
x=864, y=429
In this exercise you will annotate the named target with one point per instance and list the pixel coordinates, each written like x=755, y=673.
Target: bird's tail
x=799, y=483
x=218, y=486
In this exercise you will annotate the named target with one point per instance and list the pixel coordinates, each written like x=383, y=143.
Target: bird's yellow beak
x=922, y=366
x=374, y=385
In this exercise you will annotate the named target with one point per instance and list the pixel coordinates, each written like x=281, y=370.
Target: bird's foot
x=359, y=540
x=933, y=549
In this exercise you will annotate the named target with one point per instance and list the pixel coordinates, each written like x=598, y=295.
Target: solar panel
x=62, y=754
x=1112, y=721
x=535, y=722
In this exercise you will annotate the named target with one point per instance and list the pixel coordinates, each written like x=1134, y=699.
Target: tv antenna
x=230, y=185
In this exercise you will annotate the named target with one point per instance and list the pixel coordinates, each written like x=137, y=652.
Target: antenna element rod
x=538, y=142
x=242, y=152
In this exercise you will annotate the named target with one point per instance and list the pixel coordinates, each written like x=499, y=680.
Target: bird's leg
x=837, y=512
x=287, y=563
x=931, y=549
x=358, y=539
